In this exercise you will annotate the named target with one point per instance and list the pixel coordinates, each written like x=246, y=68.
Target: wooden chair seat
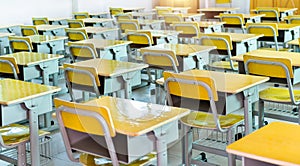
x=14, y=134
x=206, y=120
x=89, y=160
x=278, y=95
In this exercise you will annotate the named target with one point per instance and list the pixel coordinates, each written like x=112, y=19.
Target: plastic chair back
x=81, y=15
x=115, y=11
x=28, y=30
x=9, y=65
x=40, y=20
x=19, y=43
x=82, y=51
x=75, y=23
x=76, y=34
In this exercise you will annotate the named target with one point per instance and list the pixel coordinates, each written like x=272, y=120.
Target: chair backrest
x=28, y=30
x=189, y=29
x=73, y=23
x=8, y=65
x=294, y=19
x=267, y=66
x=20, y=43
x=195, y=88
x=161, y=59
x=173, y=17
x=113, y=11
x=81, y=78
x=81, y=15
x=140, y=37
x=267, y=29
x=40, y=20
x=221, y=41
x=233, y=19
x=76, y=34
x=124, y=16
x=271, y=67
x=270, y=12
x=163, y=10
x=86, y=122
x=131, y=24
x=82, y=51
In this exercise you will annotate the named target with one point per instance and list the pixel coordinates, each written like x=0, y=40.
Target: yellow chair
x=84, y=79
x=82, y=51
x=8, y=65
x=16, y=136
x=294, y=19
x=40, y=20
x=269, y=30
x=19, y=43
x=90, y=123
x=187, y=31
x=114, y=11
x=131, y=24
x=223, y=42
x=163, y=10
x=271, y=13
x=124, y=16
x=200, y=94
x=75, y=23
x=139, y=40
x=233, y=21
x=280, y=68
x=28, y=30
x=172, y=17
x=81, y=15
x=76, y=34
x=160, y=60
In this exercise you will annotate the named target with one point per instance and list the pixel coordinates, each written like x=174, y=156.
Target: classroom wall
x=21, y=11
x=244, y=5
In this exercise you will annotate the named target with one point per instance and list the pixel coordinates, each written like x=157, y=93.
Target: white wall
x=244, y=5
x=21, y=11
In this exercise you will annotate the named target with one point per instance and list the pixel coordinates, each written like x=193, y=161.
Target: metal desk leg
x=22, y=154
x=248, y=113
x=127, y=83
x=34, y=137
x=161, y=147
x=187, y=145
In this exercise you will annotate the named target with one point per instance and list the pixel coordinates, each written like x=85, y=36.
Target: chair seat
x=89, y=160
x=223, y=65
x=278, y=95
x=14, y=134
x=205, y=120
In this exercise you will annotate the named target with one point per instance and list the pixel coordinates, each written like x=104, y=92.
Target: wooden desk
x=59, y=21
x=161, y=36
x=242, y=43
x=54, y=30
x=287, y=32
x=293, y=56
x=14, y=28
x=21, y=100
x=35, y=65
x=233, y=94
x=192, y=16
x=250, y=18
x=100, y=15
x=210, y=27
x=211, y=12
x=189, y=56
x=142, y=127
x=48, y=44
x=109, y=49
x=143, y=16
x=96, y=22
x=175, y=9
x=152, y=24
x=115, y=75
x=4, y=42
x=102, y=32
x=274, y=144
